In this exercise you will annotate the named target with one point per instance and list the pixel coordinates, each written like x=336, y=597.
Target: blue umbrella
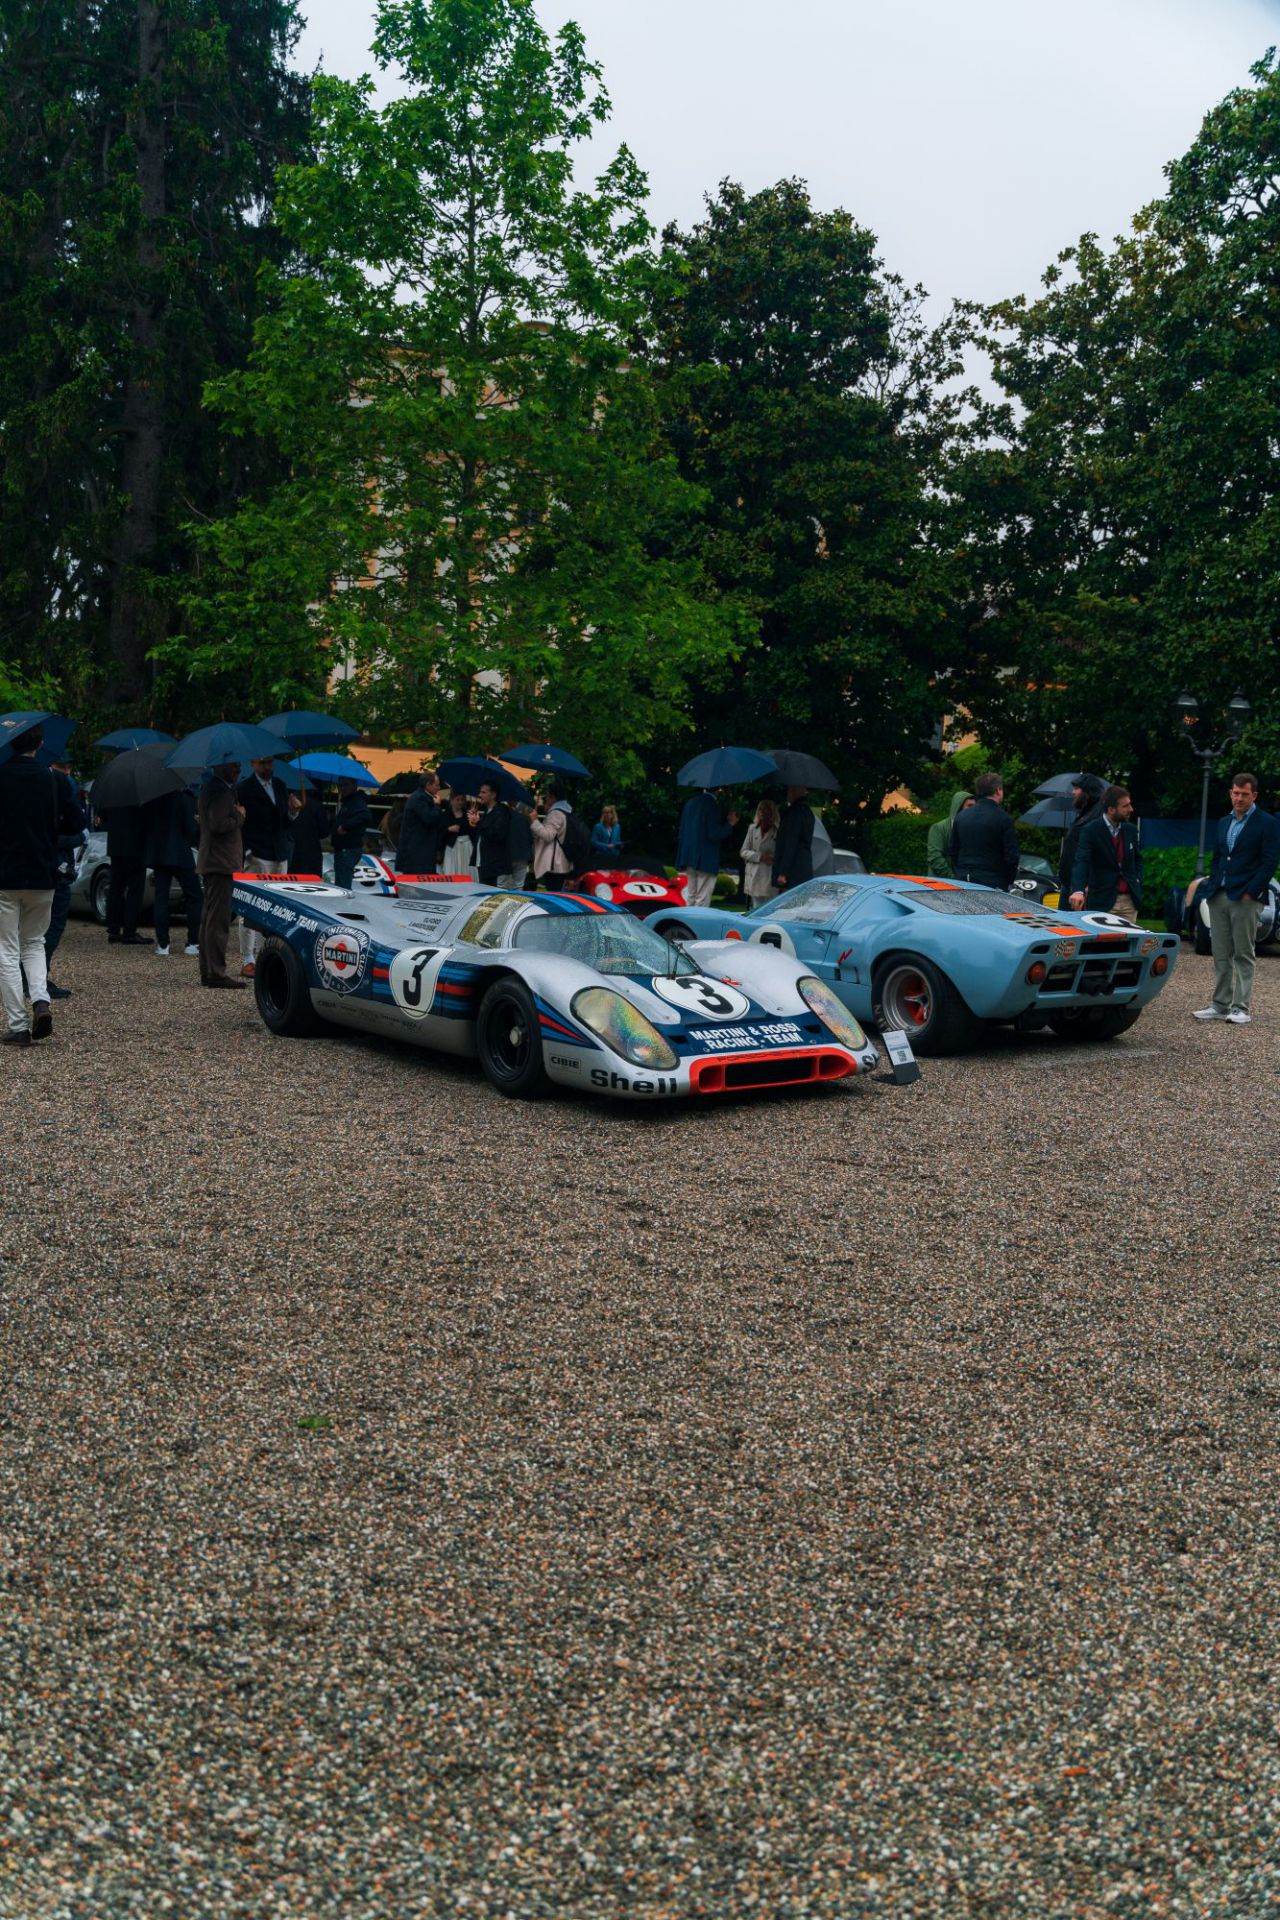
x=302, y=729
x=57, y=732
x=225, y=741
x=294, y=779
x=125, y=737
x=466, y=771
x=544, y=759
x=726, y=767
x=336, y=766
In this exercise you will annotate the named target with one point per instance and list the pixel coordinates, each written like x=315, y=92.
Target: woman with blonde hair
x=606, y=837
x=757, y=853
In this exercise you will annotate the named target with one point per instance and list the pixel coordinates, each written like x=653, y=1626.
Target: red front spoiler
x=743, y=1072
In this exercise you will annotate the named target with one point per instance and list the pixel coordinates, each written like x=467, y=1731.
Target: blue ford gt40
x=941, y=958
x=545, y=987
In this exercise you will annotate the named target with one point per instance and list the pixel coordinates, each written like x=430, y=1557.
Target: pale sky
x=975, y=139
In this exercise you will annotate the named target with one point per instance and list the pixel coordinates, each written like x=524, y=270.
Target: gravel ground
x=416, y=1503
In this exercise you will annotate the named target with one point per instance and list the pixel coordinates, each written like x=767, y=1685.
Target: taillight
x=1160, y=964
x=1036, y=973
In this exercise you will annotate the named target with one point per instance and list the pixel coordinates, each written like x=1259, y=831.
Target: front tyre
x=99, y=887
x=509, y=1041
x=1094, y=1023
x=912, y=994
x=281, y=992
x=675, y=930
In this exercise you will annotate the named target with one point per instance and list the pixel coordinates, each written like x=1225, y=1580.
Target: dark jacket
x=702, y=834
x=266, y=818
x=1097, y=873
x=351, y=822
x=520, y=840
x=983, y=845
x=793, y=850
x=1093, y=789
x=309, y=827
x=37, y=805
x=493, y=836
x=421, y=843
x=1250, y=863
x=221, y=847
x=172, y=831
x=126, y=836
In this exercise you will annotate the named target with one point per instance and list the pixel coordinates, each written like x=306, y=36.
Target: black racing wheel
x=99, y=887
x=1094, y=1023
x=281, y=992
x=509, y=1041
x=675, y=930
x=911, y=994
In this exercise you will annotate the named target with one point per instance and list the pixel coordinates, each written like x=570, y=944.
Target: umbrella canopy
x=466, y=771
x=223, y=742
x=1058, y=787
x=135, y=776
x=57, y=732
x=545, y=759
x=1057, y=813
x=303, y=729
x=293, y=777
x=336, y=766
x=726, y=767
x=125, y=737
x=803, y=770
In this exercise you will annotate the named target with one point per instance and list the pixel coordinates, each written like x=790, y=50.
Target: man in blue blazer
x=1244, y=859
x=1107, y=869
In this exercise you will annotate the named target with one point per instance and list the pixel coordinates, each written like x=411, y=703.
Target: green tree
x=1126, y=527
x=138, y=140
x=802, y=392
x=477, y=523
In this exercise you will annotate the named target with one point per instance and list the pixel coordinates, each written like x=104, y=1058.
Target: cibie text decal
x=340, y=957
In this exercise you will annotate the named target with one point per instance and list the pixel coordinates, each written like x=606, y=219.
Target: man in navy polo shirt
x=1244, y=860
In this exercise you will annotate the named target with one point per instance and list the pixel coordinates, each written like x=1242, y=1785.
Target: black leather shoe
x=22, y=1039
x=59, y=993
x=41, y=1020
x=132, y=940
x=113, y=939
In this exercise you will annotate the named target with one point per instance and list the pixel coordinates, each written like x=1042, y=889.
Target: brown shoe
x=248, y=970
x=41, y=1020
x=224, y=981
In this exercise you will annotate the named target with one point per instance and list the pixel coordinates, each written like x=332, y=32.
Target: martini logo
x=340, y=956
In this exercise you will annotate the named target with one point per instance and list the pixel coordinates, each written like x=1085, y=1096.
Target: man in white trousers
x=36, y=805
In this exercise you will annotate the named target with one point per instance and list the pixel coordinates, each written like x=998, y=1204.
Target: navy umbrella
x=135, y=776
x=803, y=770
x=545, y=759
x=726, y=767
x=126, y=737
x=303, y=729
x=464, y=772
x=57, y=732
x=223, y=742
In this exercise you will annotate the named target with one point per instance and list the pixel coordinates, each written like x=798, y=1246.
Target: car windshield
x=815, y=904
x=609, y=942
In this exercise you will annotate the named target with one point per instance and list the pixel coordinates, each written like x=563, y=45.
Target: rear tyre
x=99, y=887
x=1094, y=1023
x=675, y=930
x=281, y=992
x=912, y=994
x=509, y=1042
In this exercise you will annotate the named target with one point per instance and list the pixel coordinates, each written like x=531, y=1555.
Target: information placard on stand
x=901, y=1058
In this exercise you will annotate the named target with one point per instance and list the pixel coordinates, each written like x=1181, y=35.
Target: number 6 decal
x=412, y=978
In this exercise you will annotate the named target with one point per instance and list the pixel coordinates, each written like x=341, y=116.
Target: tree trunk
x=133, y=621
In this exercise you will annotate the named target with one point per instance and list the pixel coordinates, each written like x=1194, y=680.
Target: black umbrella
x=136, y=776
x=1058, y=786
x=802, y=770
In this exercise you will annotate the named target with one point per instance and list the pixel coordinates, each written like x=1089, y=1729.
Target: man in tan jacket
x=221, y=856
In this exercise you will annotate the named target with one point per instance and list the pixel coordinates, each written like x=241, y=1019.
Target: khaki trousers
x=1126, y=908
x=1233, y=925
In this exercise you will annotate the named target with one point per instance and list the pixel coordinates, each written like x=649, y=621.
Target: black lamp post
x=1187, y=708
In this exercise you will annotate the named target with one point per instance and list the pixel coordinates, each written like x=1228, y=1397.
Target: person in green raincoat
x=937, y=862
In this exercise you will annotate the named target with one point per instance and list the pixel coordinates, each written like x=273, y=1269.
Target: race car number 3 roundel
x=413, y=977
x=694, y=994
x=340, y=956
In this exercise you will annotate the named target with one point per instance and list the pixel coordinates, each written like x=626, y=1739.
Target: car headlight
x=603, y=891
x=622, y=1027
x=832, y=1012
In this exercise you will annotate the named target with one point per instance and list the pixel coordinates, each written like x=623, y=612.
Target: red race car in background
x=638, y=889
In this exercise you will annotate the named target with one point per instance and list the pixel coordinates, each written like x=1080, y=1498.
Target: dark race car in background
x=1187, y=912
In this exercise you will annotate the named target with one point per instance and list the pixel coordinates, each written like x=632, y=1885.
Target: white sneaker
x=191, y=947
x=1239, y=1018
x=1209, y=1013
x=162, y=953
